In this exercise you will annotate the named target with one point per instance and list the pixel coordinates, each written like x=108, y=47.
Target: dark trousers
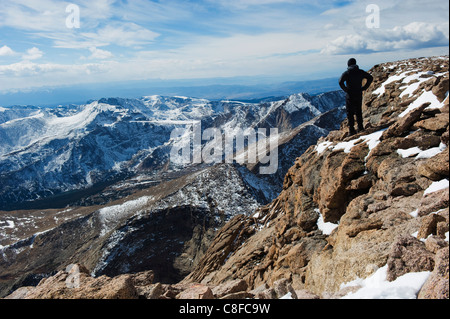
x=354, y=109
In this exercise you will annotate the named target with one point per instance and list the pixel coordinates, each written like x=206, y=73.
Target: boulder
x=196, y=292
x=437, y=286
x=441, y=88
x=434, y=202
x=437, y=167
x=283, y=287
x=429, y=225
x=230, y=287
x=403, y=124
x=439, y=123
x=408, y=254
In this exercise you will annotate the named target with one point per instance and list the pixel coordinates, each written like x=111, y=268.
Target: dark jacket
x=351, y=80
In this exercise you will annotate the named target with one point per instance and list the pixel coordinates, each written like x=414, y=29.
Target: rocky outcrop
x=379, y=190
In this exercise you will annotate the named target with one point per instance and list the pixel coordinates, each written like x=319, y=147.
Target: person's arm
x=342, y=82
x=369, y=79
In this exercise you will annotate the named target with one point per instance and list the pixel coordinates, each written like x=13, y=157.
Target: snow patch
x=437, y=186
x=110, y=216
x=372, y=140
x=326, y=228
x=378, y=287
x=431, y=152
x=322, y=147
x=382, y=89
x=426, y=97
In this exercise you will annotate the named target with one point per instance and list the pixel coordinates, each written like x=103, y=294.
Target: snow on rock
x=372, y=140
x=419, y=154
x=111, y=216
x=426, y=97
x=377, y=286
x=437, y=186
x=326, y=228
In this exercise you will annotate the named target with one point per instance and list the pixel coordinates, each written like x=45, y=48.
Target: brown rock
x=437, y=167
x=60, y=287
x=282, y=287
x=445, y=137
x=306, y=295
x=437, y=286
x=364, y=225
x=21, y=293
x=429, y=225
x=338, y=171
x=405, y=189
x=259, y=289
x=267, y=294
x=230, y=287
x=434, y=244
x=143, y=278
x=361, y=183
x=441, y=89
x=408, y=254
x=420, y=138
x=196, y=292
x=403, y=124
x=433, y=202
x=439, y=123
x=154, y=291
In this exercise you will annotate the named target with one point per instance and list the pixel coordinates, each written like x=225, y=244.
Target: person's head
x=351, y=62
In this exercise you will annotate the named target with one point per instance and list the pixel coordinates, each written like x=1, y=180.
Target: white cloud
x=123, y=34
x=244, y=4
x=103, y=23
x=100, y=54
x=33, y=54
x=115, y=33
x=27, y=74
x=6, y=51
x=415, y=35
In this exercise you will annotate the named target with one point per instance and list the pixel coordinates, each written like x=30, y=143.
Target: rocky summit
x=356, y=214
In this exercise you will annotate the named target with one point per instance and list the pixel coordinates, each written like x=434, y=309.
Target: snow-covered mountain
x=46, y=152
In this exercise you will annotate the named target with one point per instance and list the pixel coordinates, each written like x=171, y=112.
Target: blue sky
x=120, y=40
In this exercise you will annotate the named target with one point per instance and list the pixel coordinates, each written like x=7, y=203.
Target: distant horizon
x=228, y=88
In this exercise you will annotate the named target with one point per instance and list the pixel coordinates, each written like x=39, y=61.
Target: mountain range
x=101, y=174
x=64, y=153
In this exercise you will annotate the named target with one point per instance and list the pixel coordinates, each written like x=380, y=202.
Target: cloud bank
x=416, y=35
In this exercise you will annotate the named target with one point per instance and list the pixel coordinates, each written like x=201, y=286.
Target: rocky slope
x=382, y=195
x=166, y=228
x=351, y=207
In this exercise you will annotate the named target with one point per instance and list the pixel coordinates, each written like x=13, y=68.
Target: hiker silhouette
x=352, y=83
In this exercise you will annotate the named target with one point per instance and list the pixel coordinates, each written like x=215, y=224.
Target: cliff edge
x=354, y=206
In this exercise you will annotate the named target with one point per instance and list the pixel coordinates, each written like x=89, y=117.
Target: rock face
x=379, y=190
x=349, y=206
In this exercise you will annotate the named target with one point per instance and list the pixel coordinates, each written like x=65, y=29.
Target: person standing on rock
x=352, y=83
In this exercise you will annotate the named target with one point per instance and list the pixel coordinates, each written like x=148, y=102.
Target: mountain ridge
x=380, y=203
x=51, y=151
x=122, y=213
